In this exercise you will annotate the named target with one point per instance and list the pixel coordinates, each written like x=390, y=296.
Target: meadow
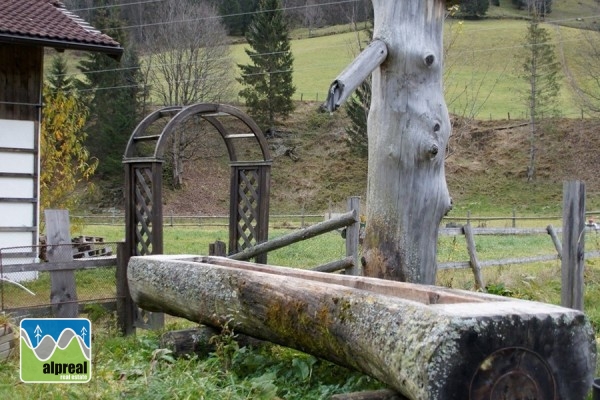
x=482, y=65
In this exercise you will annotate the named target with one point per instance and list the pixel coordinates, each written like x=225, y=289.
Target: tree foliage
x=538, y=7
x=237, y=15
x=64, y=160
x=474, y=8
x=58, y=77
x=113, y=93
x=540, y=71
x=357, y=109
x=267, y=80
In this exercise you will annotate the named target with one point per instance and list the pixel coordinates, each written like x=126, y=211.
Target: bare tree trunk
x=408, y=127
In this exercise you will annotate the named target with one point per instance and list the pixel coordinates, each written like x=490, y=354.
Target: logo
x=56, y=350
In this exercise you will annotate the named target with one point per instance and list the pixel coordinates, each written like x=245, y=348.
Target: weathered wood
x=475, y=267
x=63, y=294
x=352, y=237
x=424, y=342
x=555, y=240
x=498, y=263
x=408, y=128
x=344, y=263
x=8, y=341
x=217, y=248
x=573, y=248
x=384, y=394
x=303, y=234
x=355, y=74
x=72, y=265
x=125, y=305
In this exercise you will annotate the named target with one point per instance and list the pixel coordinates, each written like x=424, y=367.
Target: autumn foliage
x=64, y=160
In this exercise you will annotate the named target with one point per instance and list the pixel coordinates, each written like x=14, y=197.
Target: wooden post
x=217, y=248
x=63, y=294
x=468, y=231
x=573, y=244
x=352, y=235
x=125, y=305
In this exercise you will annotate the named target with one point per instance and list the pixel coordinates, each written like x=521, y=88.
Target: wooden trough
x=425, y=342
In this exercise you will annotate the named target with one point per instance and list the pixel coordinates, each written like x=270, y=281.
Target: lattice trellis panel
x=247, y=207
x=143, y=196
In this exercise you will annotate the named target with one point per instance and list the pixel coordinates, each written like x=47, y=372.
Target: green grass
x=481, y=64
x=137, y=367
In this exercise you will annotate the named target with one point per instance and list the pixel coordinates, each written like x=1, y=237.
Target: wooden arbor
x=250, y=176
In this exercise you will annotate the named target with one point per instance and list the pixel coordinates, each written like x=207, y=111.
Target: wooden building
x=26, y=28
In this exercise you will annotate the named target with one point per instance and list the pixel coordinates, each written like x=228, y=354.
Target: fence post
x=468, y=231
x=63, y=292
x=125, y=304
x=217, y=248
x=352, y=236
x=514, y=218
x=573, y=247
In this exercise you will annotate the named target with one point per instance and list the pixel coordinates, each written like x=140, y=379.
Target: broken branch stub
x=356, y=73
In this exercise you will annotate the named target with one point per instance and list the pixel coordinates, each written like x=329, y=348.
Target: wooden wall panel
x=20, y=81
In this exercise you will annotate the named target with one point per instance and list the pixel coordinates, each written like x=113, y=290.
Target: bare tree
x=190, y=57
x=313, y=16
x=585, y=82
x=190, y=62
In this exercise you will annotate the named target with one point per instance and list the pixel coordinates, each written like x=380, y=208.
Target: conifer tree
x=267, y=80
x=58, y=76
x=540, y=71
x=112, y=91
x=357, y=109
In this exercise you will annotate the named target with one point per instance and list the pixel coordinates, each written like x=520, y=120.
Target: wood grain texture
x=408, y=129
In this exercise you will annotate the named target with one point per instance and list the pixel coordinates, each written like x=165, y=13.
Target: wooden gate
x=250, y=163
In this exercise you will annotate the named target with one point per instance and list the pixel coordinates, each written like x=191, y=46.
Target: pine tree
x=357, y=110
x=267, y=80
x=112, y=91
x=540, y=70
x=58, y=76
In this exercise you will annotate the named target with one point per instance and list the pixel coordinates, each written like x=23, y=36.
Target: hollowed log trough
x=426, y=342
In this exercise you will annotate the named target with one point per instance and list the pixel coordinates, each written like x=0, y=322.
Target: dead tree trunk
x=425, y=342
x=408, y=128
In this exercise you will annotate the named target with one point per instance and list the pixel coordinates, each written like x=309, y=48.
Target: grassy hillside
x=482, y=65
x=485, y=168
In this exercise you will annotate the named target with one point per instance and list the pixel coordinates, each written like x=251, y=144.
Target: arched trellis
x=250, y=163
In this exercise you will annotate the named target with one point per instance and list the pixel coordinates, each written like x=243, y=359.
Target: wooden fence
x=121, y=302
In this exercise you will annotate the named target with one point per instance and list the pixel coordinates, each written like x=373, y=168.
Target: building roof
x=48, y=23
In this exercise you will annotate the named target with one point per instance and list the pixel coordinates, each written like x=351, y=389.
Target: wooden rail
x=122, y=302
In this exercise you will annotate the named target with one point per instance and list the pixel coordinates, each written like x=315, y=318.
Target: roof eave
x=113, y=51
